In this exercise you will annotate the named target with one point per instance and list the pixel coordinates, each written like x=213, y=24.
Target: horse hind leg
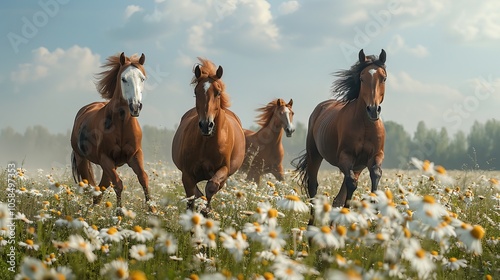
x=349, y=185
x=82, y=169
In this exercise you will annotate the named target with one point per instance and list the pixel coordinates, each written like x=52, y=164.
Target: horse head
x=285, y=115
x=208, y=91
x=132, y=79
x=372, y=79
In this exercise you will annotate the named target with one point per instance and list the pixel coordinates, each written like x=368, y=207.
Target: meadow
x=424, y=223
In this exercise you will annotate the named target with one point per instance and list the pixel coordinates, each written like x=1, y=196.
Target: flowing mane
x=347, y=87
x=266, y=112
x=107, y=79
x=208, y=70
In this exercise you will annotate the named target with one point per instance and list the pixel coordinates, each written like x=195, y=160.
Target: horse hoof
x=205, y=212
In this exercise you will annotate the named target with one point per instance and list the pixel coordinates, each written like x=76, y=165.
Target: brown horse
x=264, y=150
x=108, y=133
x=209, y=143
x=347, y=132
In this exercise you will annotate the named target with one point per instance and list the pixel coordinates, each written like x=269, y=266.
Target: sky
x=442, y=57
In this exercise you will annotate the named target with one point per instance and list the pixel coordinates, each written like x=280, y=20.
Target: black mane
x=346, y=88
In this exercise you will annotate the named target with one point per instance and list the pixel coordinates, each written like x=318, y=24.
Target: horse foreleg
x=190, y=189
x=349, y=185
x=109, y=170
x=278, y=172
x=375, y=175
x=137, y=165
x=216, y=183
x=84, y=169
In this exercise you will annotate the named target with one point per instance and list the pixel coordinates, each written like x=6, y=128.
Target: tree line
x=37, y=147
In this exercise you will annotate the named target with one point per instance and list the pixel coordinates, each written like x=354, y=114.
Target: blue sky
x=441, y=55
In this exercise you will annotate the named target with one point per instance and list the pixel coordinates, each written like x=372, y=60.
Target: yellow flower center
x=327, y=207
x=326, y=229
x=441, y=170
x=30, y=242
x=426, y=165
x=292, y=198
x=477, y=232
x=138, y=229
x=196, y=220
x=109, y=204
x=380, y=237
x=388, y=193
x=268, y=276
x=137, y=275
x=120, y=272
x=453, y=260
x=429, y=199
x=341, y=230
x=273, y=234
x=112, y=230
x=344, y=211
x=420, y=253
x=209, y=224
x=272, y=213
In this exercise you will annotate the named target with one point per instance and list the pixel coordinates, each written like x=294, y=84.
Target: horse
x=264, y=150
x=347, y=131
x=209, y=143
x=108, y=133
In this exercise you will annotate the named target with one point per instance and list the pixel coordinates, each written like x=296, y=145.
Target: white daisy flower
x=343, y=216
x=455, y=264
x=115, y=270
x=77, y=243
x=322, y=237
x=167, y=243
x=110, y=234
x=235, y=243
x=29, y=244
x=292, y=203
x=140, y=252
x=139, y=234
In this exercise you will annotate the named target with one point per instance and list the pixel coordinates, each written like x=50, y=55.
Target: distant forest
x=37, y=147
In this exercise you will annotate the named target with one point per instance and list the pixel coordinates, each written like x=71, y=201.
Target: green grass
x=232, y=207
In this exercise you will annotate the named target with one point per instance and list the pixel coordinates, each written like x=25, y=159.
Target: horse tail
x=301, y=176
x=74, y=170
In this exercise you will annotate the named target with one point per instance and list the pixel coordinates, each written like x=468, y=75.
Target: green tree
x=397, y=145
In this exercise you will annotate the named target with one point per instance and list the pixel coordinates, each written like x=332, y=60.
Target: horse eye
x=385, y=78
x=142, y=79
x=124, y=80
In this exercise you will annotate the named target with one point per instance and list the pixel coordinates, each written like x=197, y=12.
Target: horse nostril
x=200, y=124
x=379, y=109
x=210, y=124
x=140, y=106
x=368, y=108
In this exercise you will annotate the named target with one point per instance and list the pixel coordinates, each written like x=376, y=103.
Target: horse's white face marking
x=289, y=123
x=206, y=86
x=372, y=71
x=132, y=82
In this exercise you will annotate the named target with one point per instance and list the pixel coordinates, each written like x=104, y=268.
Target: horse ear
x=219, y=72
x=361, y=56
x=122, y=58
x=382, y=56
x=197, y=71
x=290, y=103
x=279, y=102
x=142, y=59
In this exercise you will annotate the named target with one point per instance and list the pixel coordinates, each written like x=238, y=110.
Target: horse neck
x=220, y=121
x=275, y=128
x=117, y=107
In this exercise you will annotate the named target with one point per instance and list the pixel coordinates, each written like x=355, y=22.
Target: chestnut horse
x=347, y=131
x=264, y=150
x=108, y=133
x=209, y=143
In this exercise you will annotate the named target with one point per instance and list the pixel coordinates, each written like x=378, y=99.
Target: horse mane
x=346, y=88
x=266, y=112
x=107, y=79
x=208, y=69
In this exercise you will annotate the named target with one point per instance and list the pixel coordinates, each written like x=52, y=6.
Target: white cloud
x=58, y=71
x=398, y=44
x=403, y=83
x=132, y=9
x=472, y=21
x=288, y=7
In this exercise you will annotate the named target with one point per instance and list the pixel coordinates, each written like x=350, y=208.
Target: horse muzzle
x=135, y=109
x=289, y=131
x=207, y=127
x=373, y=112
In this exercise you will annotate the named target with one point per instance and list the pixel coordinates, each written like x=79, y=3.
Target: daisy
x=32, y=268
x=471, y=236
x=272, y=238
x=292, y=203
x=167, y=243
x=427, y=210
x=322, y=237
x=211, y=226
x=22, y=217
x=115, y=270
x=50, y=259
x=29, y=244
x=43, y=217
x=110, y=234
x=234, y=242
x=285, y=268
x=426, y=166
x=192, y=221
x=419, y=259
x=322, y=208
x=342, y=216
x=4, y=215
x=93, y=235
x=455, y=264
x=77, y=243
x=139, y=234
x=253, y=230
x=140, y=252
x=349, y=274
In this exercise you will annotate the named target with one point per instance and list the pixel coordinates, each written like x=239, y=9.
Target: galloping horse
x=348, y=132
x=264, y=150
x=209, y=143
x=108, y=133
